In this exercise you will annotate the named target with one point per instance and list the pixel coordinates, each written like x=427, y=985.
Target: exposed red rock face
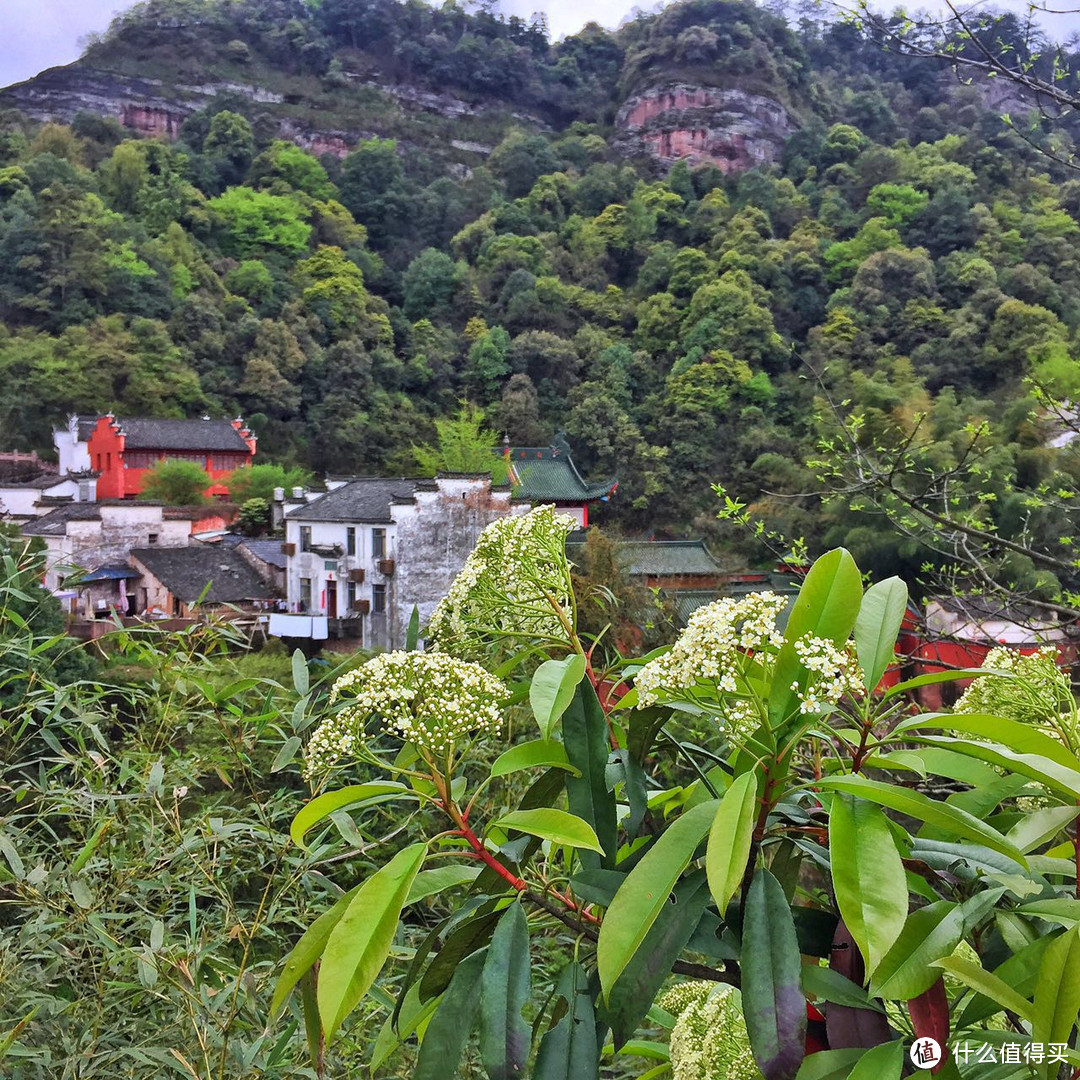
x=150, y=120
x=731, y=129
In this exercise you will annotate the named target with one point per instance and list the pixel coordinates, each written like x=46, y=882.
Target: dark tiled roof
x=149, y=434
x=55, y=522
x=365, y=498
x=109, y=572
x=42, y=482
x=547, y=474
x=269, y=551
x=186, y=571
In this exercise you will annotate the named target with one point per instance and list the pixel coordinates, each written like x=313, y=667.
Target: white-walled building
x=365, y=553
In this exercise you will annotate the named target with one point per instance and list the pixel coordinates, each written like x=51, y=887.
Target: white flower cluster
x=429, y=699
x=709, y=1040
x=509, y=586
x=834, y=672
x=713, y=648
x=1034, y=690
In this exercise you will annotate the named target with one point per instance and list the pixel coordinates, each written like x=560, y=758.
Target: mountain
x=677, y=242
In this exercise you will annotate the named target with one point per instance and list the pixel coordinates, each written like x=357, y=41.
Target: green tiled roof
x=665, y=558
x=547, y=474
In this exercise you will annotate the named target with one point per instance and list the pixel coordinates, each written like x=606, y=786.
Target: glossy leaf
x=433, y=882
x=636, y=988
x=1040, y=826
x=360, y=942
x=824, y=984
x=917, y=805
x=412, y=633
x=645, y=891
x=448, y=1032
x=504, y=992
x=537, y=754
x=569, y=1051
x=868, y=876
x=308, y=949
x=730, y=837
x=976, y=977
x=322, y=806
x=877, y=626
x=585, y=736
x=773, y=1002
x=827, y=605
x=1057, y=993
x=552, y=690
x=828, y=1064
x=1016, y=735
x=1020, y=973
x=884, y=1062
x=555, y=825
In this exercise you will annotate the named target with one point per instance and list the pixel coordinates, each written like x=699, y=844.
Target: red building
x=123, y=450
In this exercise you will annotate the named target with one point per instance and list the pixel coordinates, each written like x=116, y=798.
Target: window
x=305, y=594
x=351, y=594
x=378, y=599
x=378, y=543
x=350, y=541
x=305, y=537
x=152, y=538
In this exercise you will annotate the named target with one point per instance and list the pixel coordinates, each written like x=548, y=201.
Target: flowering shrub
x=793, y=867
x=428, y=699
x=514, y=587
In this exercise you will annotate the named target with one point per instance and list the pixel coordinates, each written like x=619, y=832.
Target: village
x=349, y=562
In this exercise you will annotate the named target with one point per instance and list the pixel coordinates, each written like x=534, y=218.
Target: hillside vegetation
x=910, y=253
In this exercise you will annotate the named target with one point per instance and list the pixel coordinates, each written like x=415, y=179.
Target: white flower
x=834, y=672
x=709, y=1040
x=429, y=699
x=515, y=584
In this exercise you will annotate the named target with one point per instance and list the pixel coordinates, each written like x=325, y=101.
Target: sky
x=37, y=34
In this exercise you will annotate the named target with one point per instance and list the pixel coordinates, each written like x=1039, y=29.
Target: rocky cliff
x=729, y=128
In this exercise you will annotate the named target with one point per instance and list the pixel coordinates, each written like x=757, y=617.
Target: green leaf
x=730, y=837
x=432, y=882
x=1021, y=737
x=585, y=736
x=286, y=754
x=504, y=992
x=824, y=984
x=555, y=825
x=1019, y=972
x=308, y=949
x=868, y=876
x=447, y=1034
x=931, y=679
x=772, y=996
x=829, y=1064
x=532, y=755
x=360, y=942
x=1040, y=826
x=552, y=690
x=877, y=627
x=324, y=805
x=1057, y=993
x=826, y=607
x=1051, y=774
x=883, y=1062
x=636, y=988
x=645, y=891
x=929, y=934
x=569, y=1051
x=983, y=982
x=955, y=822
x=412, y=634
x=300, y=676
x=1061, y=909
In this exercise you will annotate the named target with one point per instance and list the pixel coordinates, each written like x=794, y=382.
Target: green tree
x=254, y=223
x=176, y=482
x=259, y=481
x=464, y=444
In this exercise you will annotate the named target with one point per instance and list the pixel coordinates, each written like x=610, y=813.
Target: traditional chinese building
x=121, y=451
x=546, y=474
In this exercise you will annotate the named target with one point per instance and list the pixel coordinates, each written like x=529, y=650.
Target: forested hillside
x=908, y=252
